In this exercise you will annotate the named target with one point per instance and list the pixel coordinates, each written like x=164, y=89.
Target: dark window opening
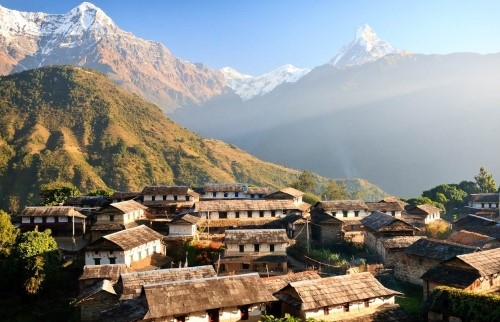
x=213, y=315
x=346, y=307
x=261, y=196
x=112, y=260
x=244, y=312
x=97, y=261
x=356, y=214
x=271, y=248
x=273, y=213
x=367, y=303
x=236, y=194
x=187, y=198
x=164, y=197
x=225, y=194
x=223, y=214
x=252, y=196
x=261, y=214
x=153, y=198
x=256, y=247
x=245, y=266
x=237, y=214
x=175, y=198
x=180, y=318
x=242, y=248
x=344, y=213
x=111, y=218
x=250, y=214
x=326, y=310
x=214, y=194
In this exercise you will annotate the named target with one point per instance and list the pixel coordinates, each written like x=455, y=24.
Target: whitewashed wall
x=126, y=257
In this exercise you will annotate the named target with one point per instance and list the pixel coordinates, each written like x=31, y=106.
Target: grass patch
x=412, y=300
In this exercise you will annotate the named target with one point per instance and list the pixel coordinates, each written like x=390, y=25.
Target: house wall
x=330, y=233
x=121, y=218
x=234, y=249
x=170, y=197
x=227, y=314
x=278, y=213
x=351, y=214
x=431, y=217
x=126, y=257
x=181, y=230
x=409, y=268
x=90, y=309
x=482, y=205
x=396, y=214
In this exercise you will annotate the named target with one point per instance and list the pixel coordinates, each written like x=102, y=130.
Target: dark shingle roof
x=51, y=211
x=126, y=239
x=378, y=221
x=437, y=249
x=484, y=197
x=400, y=242
x=109, y=271
x=428, y=209
x=168, y=190
x=224, y=187
x=256, y=236
x=384, y=206
x=249, y=205
x=186, y=220
x=276, y=283
x=104, y=285
x=339, y=205
x=486, y=262
x=451, y=276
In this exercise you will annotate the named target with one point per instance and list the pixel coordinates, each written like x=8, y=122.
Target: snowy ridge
x=247, y=86
x=366, y=47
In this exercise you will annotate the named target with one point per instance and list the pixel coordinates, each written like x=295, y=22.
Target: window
x=271, y=248
x=111, y=217
x=482, y=205
x=214, y=194
x=242, y=248
x=213, y=315
x=273, y=213
x=250, y=214
x=261, y=196
x=237, y=214
x=367, y=303
x=187, y=198
x=223, y=214
x=256, y=247
x=112, y=260
x=97, y=261
x=344, y=213
x=252, y=196
x=225, y=194
x=245, y=266
x=164, y=197
x=261, y=214
x=326, y=310
x=175, y=198
x=180, y=318
x=356, y=214
x=236, y=195
x=153, y=198
x=346, y=307
x=243, y=312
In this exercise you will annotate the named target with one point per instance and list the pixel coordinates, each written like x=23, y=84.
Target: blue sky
x=257, y=36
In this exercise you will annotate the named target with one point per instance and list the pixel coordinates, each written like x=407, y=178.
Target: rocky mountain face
x=86, y=37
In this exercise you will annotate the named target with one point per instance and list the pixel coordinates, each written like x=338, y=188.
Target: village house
x=134, y=247
x=255, y=250
x=415, y=260
x=118, y=196
x=389, y=208
x=185, y=225
x=394, y=199
x=424, y=214
x=325, y=228
x=394, y=245
x=469, y=238
x=479, y=225
x=475, y=272
x=95, y=299
x=336, y=298
x=213, y=299
x=88, y=204
x=232, y=191
x=97, y=273
x=168, y=200
x=61, y=220
x=484, y=205
x=287, y=194
x=117, y=216
x=379, y=226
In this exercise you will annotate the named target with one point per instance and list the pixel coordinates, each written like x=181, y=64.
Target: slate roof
x=484, y=197
x=126, y=239
x=237, y=222
x=486, y=262
x=128, y=206
x=132, y=282
x=104, y=285
x=224, y=187
x=319, y=216
x=112, y=226
x=249, y=205
x=126, y=311
x=339, y=205
x=399, y=242
x=276, y=283
x=186, y=220
x=451, y=276
x=257, y=258
x=384, y=206
x=92, y=201
x=394, y=199
x=480, y=225
x=125, y=194
x=256, y=236
x=469, y=238
x=336, y=290
x=437, y=249
x=289, y=191
x=183, y=297
x=108, y=271
x=51, y=211
x=428, y=209
x=378, y=221
x=168, y=190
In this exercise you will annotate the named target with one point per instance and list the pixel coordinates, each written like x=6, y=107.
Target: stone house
x=255, y=250
x=484, y=205
x=61, y=220
x=425, y=213
x=414, y=261
x=168, y=200
x=479, y=225
x=394, y=245
x=232, y=191
x=118, y=216
x=185, y=225
x=133, y=247
x=213, y=299
x=95, y=299
x=335, y=298
x=379, y=226
x=475, y=272
x=325, y=228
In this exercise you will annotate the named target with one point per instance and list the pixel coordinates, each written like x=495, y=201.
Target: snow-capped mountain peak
x=247, y=86
x=366, y=47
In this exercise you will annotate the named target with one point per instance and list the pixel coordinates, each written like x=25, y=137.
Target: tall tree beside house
x=335, y=191
x=306, y=182
x=485, y=181
x=55, y=193
x=37, y=255
x=448, y=195
x=8, y=235
x=469, y=187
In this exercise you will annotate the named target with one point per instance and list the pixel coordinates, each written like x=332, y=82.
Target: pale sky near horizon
x=257, y=36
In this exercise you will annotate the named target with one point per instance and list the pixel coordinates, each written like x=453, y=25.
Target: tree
x=485, y=181
x=335, y=191
x=468, y=186
x=306, y=182
x=106, y=192
x=8, y=234
x=424, y=200
x=37, y=254
x=55, y=193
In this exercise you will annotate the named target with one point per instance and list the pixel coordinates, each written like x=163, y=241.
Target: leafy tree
x=423, y=201
x=485, y=181
x=469, y=187
x=101, y=192
x=8, y=234
x=37, y=254
x=448, y=195
x=306, y=182
x=335, y=191
x=310, y=198
x=55, y=193
x=438, y=229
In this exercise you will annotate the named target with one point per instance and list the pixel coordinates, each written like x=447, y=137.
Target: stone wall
x=409, y=268
x=90, y=309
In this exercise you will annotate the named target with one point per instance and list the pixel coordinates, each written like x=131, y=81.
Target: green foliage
x=424, y=200
x=55, y=193
x=469, y=306
x=328, y=256
x=306, y=182
x=448, y=195
x=8, y=234
x=287, y=318
x=485, y=181
x=335, y=191
x=101, y=192
x=438, y=229
x=469, y=187
x=310, y=198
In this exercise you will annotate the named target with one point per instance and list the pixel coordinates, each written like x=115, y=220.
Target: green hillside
x=70, y=124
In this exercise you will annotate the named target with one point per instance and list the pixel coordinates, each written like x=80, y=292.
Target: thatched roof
x=104, y=285
x=256, y=236
x=108, y=271
x=335, y=291
x=276, y=283
x=437, y=249
x=341, y=205
x=126, y=239
x=184, y=297
x=379, y=221
x=168, y=190
x=249, y=205
x=384, y=206
x=51, y=211
x=132, y=282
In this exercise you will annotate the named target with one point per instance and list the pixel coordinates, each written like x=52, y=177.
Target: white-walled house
x=427, y=213
x=186, y=225
x=343, y=209
x=335, y=298
x=133, y=246
x=165, y=200
x=62, y=220
x=484, y=200
x=394, y=209
x=232, y=191
x=287, y=193
x=260, y=250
